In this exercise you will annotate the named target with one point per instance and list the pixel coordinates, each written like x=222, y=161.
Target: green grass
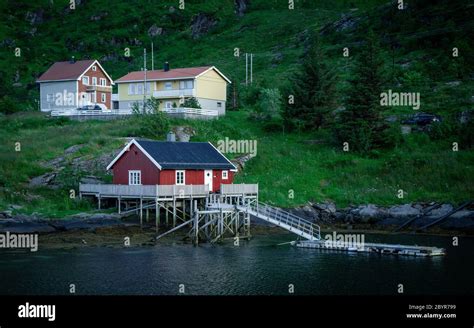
x=285, y=164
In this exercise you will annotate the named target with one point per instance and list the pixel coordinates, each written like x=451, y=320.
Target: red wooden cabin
x=143, y=162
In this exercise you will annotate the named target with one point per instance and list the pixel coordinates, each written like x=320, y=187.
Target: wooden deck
x=162, y=191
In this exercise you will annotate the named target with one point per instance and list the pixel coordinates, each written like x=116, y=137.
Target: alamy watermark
x=392, y=98
x=13, y=240
x=338, y=240
x=230, y=146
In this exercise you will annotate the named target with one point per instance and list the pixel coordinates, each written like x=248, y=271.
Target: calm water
x=256, y=267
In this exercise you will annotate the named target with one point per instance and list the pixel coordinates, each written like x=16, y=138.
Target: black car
x=90, y=107
x=422, y=119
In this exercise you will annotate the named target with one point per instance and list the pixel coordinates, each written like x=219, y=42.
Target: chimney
x=73, y=60
x=171, y=137
x=166, y=67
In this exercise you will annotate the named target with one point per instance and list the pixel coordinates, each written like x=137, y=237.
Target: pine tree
x=361, y=124
x=312, y=90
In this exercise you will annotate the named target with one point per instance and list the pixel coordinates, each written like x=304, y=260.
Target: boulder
x=241, y=7
x=72, y=149
x=201, y=24
x=406, y=210
x=240, y=161
x=154, y=30
x=46, y=179
x=90, y=179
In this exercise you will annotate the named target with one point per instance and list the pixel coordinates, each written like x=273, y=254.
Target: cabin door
x=208, y=178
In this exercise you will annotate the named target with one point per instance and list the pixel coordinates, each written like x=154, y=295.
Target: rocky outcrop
x=241, y=7
x=201, y=24
x=35, y=224
x=183, y=133
x=384, y=218
x=241, y=160
x=154, y=30
x=346, y=23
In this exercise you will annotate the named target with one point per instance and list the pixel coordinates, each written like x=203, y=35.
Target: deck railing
x=192, y=111
x=239, y=189
x=144, y=190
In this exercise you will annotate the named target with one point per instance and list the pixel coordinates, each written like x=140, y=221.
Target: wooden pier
x=389, y=249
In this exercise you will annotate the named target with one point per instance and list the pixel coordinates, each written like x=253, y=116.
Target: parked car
x=422, y=119
x=93, y=107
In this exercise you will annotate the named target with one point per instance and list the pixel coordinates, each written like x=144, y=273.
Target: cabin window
x=102, y=95
x=131, y=89
x=219, y=104
x=169, y=104
x=94, y=68
x=103, y=82
x=180, y=177
x=225, y=175
x=168, y=86
x=85, y=80
x=94, y=80
x=134, y=178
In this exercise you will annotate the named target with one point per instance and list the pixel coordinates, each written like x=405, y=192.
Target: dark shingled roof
x=186, y=155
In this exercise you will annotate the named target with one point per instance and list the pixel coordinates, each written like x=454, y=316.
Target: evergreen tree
x=312, y=90
x=361, y=124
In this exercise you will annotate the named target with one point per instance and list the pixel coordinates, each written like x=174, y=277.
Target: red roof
x=66, y=70
x=175, y=73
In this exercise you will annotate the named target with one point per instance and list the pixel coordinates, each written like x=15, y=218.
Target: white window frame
x=94, y=80
x=134, y=177
x=170, y=84
x=131, y=89
x=84, y=79
x=94, y=68
x=139, y=90
x=168, y=104
x=103, y=97
x=219, y=104
x=225, y=175
x=103, y=82
x=178, y=181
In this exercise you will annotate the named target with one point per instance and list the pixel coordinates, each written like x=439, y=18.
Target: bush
x=268, y=106
x=151, y=123
x=190, y=103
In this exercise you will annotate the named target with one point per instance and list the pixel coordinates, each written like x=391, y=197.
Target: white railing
x=91, y=112
x=144, y=190
x=193, y=111
x=238, y=189
x=284, y=219
x=174, y=93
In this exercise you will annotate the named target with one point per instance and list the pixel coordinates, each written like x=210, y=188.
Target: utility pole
x=144, y=83
x=152, y=58
x=246, y=68
x=251, y=68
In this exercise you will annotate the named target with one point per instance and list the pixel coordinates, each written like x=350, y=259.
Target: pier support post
x=141, y=212
x=119, y=201
x=174, y=211
x=99, y=199
x=157, y=214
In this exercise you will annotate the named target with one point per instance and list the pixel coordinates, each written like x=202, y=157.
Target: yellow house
x=173, y=86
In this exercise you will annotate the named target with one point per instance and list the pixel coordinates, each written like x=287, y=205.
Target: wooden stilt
x=141, y=212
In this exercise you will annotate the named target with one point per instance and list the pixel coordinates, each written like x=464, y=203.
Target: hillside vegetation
x=416, y=49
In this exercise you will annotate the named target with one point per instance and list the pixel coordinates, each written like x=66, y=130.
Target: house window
x=188, y=84
x=169, y=104
x=139, y=88
x=180, y=177
x=168, y=86
x=94, y=80
x=103, y=82
x=94, y=68
x=134, y=178
x=219, y=104
x=50, y=97
x=102, y=97
x=131, y=89
x=225, y=175
x=85, y=80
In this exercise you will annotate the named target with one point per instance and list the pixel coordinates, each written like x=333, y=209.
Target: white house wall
x=55, y=89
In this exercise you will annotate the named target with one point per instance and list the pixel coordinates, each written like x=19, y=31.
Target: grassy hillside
x=284, y=162
x=417, y=46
